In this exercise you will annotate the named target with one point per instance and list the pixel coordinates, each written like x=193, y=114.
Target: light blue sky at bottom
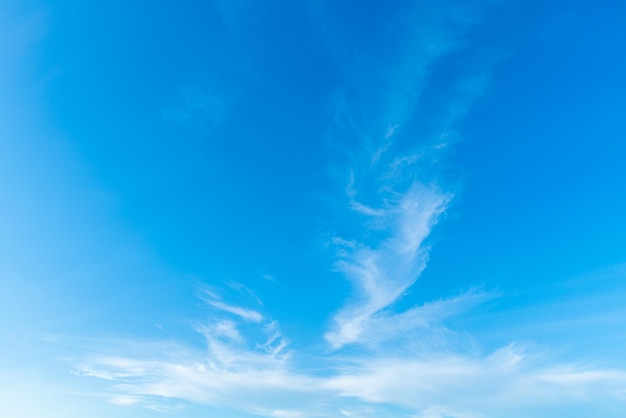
x=312, y=209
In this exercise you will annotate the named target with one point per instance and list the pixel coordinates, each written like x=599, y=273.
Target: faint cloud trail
x=396, y=202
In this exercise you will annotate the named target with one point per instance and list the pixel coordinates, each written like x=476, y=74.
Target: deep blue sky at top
x=540, y=156
x=535, y=169
x=153, y=148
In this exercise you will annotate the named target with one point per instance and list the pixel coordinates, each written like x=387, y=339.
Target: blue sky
x=312, y=209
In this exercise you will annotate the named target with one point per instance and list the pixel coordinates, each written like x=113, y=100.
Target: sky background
x=301, y=209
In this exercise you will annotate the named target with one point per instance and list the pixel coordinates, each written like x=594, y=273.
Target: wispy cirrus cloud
x=247, y=314
x=382, y=274
x=216, y=301
x=391, y=184
x=233, y=365
x=266, y=377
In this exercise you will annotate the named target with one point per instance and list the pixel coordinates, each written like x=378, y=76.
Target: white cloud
x=411, y=376
x=400, y=205
x=244, y=313
x=222, y=329
x=487, y=386
x=247, y=314
x=381, y=275
x=386, y=326
x=366, y=210
x=426, y=383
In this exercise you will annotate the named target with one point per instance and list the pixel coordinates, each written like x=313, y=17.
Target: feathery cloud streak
x=381, y=275
x=403, y=204
x=266, y=378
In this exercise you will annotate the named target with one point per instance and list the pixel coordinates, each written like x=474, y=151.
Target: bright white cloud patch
x=382, y=274
x=263, y=378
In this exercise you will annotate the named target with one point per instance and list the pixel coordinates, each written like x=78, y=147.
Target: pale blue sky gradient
x=312, y=209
